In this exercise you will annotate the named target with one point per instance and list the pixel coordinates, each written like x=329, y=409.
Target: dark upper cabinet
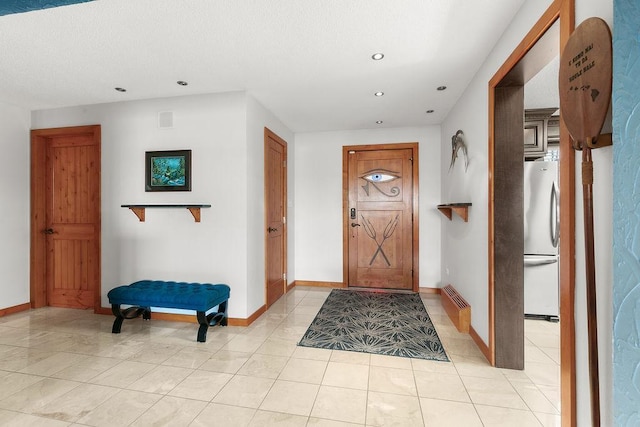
x=540, y=128
x=553, y=130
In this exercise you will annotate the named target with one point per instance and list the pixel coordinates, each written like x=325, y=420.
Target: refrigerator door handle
x=533, y=261
x=554, y=216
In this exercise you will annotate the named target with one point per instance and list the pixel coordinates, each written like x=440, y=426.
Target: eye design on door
x=374, y=177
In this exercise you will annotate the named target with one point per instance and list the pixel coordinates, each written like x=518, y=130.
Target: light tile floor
x=62, y=367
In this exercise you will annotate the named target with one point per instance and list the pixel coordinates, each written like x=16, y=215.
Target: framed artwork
x=168, y=170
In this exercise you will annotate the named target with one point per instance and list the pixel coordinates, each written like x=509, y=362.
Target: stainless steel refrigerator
x=541, y=238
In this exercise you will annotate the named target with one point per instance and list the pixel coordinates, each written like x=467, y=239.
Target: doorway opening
x=506, y=291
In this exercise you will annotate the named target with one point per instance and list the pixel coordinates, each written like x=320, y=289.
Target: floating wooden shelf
x=140, y=209
x=461, y=209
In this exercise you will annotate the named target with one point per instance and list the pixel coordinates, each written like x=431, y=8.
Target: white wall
x=170, y=245
x=14, y=198
x=464, y=246
x=318, y=197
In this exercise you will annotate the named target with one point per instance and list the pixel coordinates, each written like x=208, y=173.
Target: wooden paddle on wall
x=585, y=81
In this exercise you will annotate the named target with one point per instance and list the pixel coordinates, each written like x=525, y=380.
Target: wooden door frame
x=38, y=250
x=562, y=11
x=268, y=133
x=413, y=146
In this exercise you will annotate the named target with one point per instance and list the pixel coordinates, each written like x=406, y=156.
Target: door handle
x=271, y=230
x=555, y=216
x=538, y=261
x=48, y=231
x=353, y=224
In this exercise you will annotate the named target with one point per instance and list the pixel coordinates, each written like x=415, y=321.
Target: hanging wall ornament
x=458, y=144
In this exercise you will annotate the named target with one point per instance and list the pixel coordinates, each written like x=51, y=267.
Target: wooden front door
x=65, y=225
x=275, y=182
x=379, y=217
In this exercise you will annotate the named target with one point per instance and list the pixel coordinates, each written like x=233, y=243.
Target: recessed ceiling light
x=377, y=56
x=441, y=88
x=121, y=89
x=430, y=111
x=379, y=93
x=182, y=83
x=379, y=122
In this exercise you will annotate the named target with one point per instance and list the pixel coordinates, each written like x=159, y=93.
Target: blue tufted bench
x=144, y=294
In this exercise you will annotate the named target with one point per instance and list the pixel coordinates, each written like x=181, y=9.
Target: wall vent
x=457, y=308
x=165, y=120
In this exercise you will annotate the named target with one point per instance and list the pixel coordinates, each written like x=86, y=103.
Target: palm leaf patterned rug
x=392, y=324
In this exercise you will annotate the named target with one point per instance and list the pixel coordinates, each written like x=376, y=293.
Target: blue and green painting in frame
x=168, y=170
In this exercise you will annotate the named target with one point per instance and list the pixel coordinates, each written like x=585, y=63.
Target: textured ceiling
x=307, y=61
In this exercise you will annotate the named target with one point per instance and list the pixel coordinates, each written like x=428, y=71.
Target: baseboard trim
x=484, y=348
x=15, y=309
x=435, y=291
x=103, y=310
x=311, y=283
x=248, y=321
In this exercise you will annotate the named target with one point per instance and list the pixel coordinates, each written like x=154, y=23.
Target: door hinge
x=284, y=219
x=284, y=276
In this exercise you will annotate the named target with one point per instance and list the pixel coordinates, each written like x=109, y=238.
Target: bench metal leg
x=218, y=317
x=127, y=313
x=222, y=309
x=204, y=326
x=214, y=318
x=117, y=324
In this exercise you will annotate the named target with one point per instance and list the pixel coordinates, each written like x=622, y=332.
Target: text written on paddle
x=582, y=64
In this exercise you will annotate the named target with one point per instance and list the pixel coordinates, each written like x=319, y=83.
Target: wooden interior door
x=380, y=218
x=275, y=203
x=66, y=217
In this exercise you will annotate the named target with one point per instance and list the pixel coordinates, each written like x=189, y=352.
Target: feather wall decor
x=458, y=144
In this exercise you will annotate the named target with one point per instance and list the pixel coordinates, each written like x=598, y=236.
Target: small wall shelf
x=461, y=209
x=139, y=210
